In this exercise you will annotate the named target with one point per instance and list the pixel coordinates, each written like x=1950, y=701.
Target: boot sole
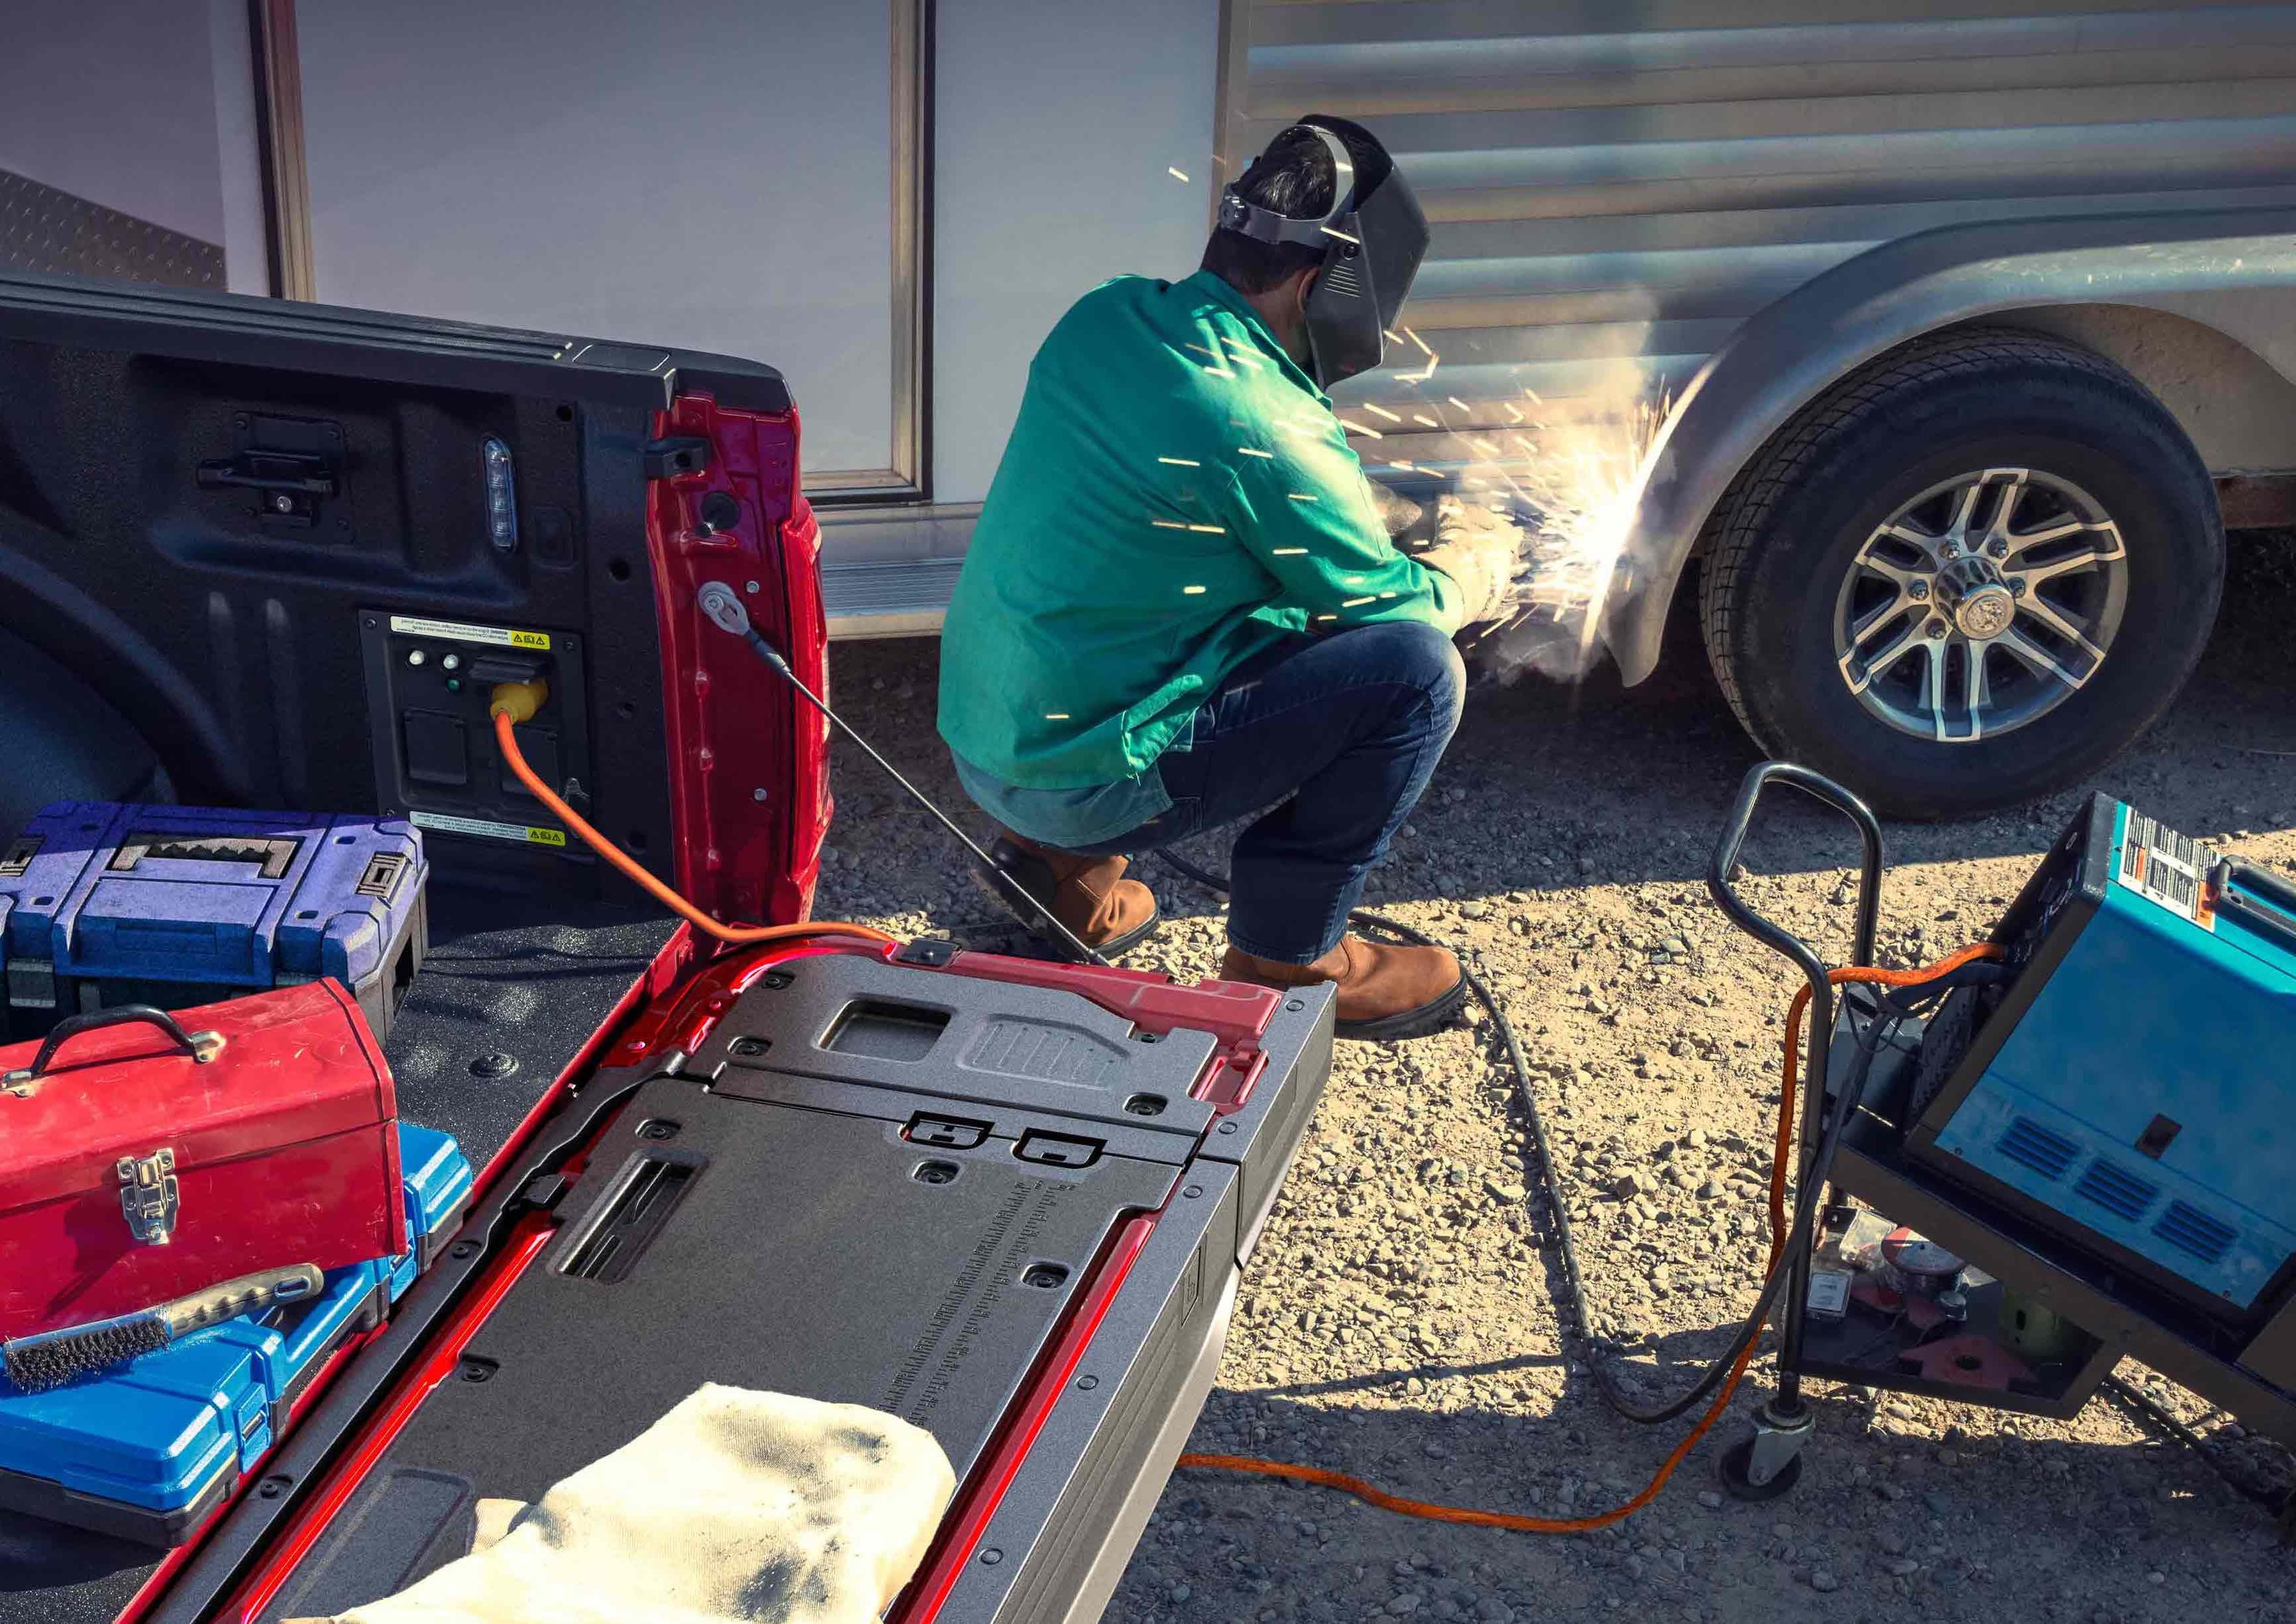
x=1428, y=1019
x=1034, y=923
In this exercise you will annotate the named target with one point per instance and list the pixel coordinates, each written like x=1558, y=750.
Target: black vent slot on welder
x=2116, y=1190
x=884, y=1031
x=647, y=1192
x=2047, y=1153
x=2205, y=1237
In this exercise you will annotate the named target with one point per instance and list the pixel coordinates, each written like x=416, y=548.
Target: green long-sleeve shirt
x=1176, y=495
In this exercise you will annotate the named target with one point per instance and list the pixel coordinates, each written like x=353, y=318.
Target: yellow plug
x=517, y=701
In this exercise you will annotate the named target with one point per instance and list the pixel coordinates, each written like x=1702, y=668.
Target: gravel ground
x=1399, y=1321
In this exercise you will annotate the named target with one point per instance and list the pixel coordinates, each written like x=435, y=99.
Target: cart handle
x=1775, y=936
x=201, y=1047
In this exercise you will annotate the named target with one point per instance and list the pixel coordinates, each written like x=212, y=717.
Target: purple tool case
x=103, y=904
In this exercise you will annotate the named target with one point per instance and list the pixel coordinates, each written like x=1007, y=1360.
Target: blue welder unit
x=2133, y=1087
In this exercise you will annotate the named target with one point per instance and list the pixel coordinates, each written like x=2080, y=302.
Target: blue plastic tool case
x=145, y=1452
x=2131, y=1088
x=103, y=904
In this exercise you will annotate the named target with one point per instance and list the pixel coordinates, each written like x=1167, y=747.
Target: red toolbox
x=144, y=1156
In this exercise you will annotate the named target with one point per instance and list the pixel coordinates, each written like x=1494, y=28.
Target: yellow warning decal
x=488, y=829
x=459, y=631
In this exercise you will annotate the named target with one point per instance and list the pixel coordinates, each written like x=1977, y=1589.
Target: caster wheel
x=1732, y=1467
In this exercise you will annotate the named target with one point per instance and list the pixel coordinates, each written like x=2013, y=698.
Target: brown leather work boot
x=1108, y=913
x=1384, y=991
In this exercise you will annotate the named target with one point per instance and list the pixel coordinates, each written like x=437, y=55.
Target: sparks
x=1209, y=530
x=1400, y=466
x=1355, y=602
x=1422, y=417
x=1288, y=552
x=1300, y=496
x=1416, y=339
x=1193, y=592
x=1254, y=451
x=1356, y=427
x=1056, y=716
x=1389, y=336
x=1584, y=489
x=1514, y=412
x=1167, y=524
x=1176, y=174
x=1219, y=371
x=1383, y=410
x=1180, y=462
x=1333, y=231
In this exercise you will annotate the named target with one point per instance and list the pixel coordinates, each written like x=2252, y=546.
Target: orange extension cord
x=506, y=721
x=1371, y=1494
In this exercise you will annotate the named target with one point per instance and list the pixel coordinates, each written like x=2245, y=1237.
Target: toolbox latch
x=1057, y=1150
x=149, y=1196
x=932, y=952
x=949, y=1133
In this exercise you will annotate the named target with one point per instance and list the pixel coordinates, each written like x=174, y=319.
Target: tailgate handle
x=1057, y=1150
x=947, y=1133
x=201, y=1047
x=294, y=472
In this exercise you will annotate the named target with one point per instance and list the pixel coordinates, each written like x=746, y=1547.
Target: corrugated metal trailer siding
x=1615, y=187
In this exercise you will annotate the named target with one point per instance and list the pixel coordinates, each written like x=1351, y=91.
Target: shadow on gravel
x=1896, y=1521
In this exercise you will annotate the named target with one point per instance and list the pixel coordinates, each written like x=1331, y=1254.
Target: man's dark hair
x=1293, y=177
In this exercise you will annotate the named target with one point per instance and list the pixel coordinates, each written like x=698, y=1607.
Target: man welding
x=1181, y=607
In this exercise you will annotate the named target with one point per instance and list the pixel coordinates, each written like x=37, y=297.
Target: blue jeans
x=1337, y=735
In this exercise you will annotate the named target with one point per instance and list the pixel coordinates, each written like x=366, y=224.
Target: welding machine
x=2065, y=1146
x=2129, y=1089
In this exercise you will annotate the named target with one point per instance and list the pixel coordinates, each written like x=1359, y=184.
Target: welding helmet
x=1372, y=241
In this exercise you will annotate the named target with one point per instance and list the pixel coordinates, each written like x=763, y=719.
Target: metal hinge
x=148, y=1197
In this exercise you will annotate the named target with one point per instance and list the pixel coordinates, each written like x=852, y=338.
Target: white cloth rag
x=734, y=1505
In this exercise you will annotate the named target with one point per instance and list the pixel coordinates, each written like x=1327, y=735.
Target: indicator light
x=501, y=495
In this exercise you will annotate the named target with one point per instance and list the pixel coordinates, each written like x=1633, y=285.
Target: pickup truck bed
x=527, y=977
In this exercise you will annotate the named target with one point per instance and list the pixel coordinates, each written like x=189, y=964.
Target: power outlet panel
x=429, y=683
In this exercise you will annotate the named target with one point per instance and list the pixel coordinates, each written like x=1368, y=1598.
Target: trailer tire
x=1893, y=596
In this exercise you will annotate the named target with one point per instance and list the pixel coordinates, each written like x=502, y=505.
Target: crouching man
x=1181, y=608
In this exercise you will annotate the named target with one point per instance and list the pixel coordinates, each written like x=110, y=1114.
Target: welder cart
x=2081, y=1139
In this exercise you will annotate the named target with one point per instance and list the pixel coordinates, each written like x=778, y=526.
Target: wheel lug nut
x=2017, y=585
x=1920, y=590
x=1999, y=549
x=1937, y=629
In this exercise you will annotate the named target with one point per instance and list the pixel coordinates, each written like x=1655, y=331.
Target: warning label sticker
x=458, y=631
x=488, y=829
x=2170, y=868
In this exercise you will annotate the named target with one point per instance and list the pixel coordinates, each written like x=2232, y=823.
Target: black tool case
x=1006, y=1200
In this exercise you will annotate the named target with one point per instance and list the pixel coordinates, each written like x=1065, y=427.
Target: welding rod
x=726, y=611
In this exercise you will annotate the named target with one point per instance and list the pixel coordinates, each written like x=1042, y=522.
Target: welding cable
x=1727, y=1372
x=514, y=703
x=2279, y=1502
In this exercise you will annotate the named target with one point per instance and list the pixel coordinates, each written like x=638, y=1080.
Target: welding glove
x=1397, y=512
x=734, y=1505
x=1479, y=551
